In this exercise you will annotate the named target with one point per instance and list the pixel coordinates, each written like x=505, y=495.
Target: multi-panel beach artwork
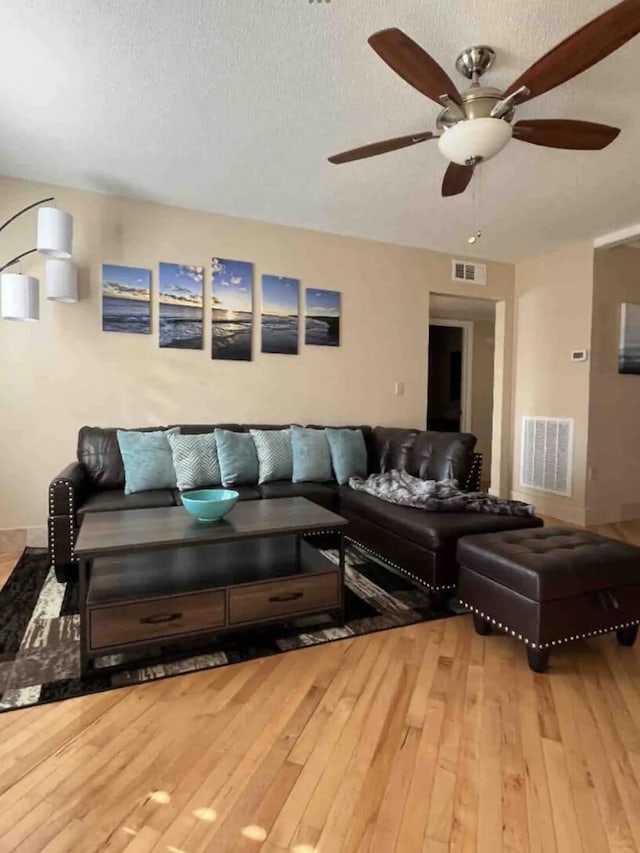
x=322, y=317
x=126, y=299
x=231, y=309
x=126, y=307
x=181, y=297
x=280, y=311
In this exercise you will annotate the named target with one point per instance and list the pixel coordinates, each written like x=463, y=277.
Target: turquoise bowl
x=210, y=504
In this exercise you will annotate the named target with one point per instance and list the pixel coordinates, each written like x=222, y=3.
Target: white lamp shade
x=480, y=138
x=55, y=232
x=19, y=297
x=62, y=280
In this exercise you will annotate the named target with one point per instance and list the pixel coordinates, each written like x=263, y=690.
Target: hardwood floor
x=426, y=738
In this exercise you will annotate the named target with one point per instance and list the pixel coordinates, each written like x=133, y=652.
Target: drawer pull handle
x=159, y=618
x=288, y=596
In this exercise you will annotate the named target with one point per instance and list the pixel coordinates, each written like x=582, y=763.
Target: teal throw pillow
x=311, y=455
x=237, y=456
x=275, y=455
x=348, y=453
x=147, y=460
x=195, y=459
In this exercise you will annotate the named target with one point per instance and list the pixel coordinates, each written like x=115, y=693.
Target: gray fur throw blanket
x=398, y=487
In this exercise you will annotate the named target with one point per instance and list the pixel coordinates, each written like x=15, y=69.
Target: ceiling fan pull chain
x=477, y=204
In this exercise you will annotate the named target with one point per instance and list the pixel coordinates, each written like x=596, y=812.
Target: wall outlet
x=399, y=389
x=579, y=355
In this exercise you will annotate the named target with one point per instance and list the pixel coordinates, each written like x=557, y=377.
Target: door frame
x=467, y=368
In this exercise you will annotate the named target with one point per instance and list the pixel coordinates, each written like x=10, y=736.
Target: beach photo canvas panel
x=280, y=313
x=322, y=317
x=126, y=299
x=231, y=309
x=181, y=295
x=629, y=351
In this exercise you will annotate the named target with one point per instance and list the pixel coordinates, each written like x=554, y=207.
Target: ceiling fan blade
x=456, y=179
x=564, y=133
x=381, y=147
x=580, y=51
x=413, y=64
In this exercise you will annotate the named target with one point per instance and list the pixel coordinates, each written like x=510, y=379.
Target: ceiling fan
x=476, y=124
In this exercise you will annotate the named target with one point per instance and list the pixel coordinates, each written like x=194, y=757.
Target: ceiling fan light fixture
x=474, y=140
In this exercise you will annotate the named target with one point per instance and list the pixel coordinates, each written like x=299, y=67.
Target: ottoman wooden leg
x=481, y=625
x=627, y=636
x=538, y=659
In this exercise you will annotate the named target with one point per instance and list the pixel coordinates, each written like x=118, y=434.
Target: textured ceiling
x=233, y=106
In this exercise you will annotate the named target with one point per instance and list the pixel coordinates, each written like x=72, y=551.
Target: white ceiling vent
x=547, y=455
x=471, y=273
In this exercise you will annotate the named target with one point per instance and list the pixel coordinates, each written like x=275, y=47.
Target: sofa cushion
x=318, y=492
x=246, y=493
x=147, y=458
x=441, y=456
x=311, y=455
x=433, y=530
x=198, y=429
x=99, y=452
x=390, y=448
x=115, y=499
x=275, y=455
x=364, y=429
x=195, y=459
x=238, y=458
x=348, y=453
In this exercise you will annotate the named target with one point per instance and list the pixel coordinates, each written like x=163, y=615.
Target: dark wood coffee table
x=150, y=576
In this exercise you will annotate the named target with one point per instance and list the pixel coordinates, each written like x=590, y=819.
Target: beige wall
x=63, y=372
x=554, y=307
x=482, y=389
x=614, y=456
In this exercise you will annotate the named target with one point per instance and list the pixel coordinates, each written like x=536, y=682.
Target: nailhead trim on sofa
x=533, y=645
x=473, y=481
x=52, y=527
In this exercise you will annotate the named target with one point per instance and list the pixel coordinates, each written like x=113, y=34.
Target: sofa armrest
x=472, y=483
x=67, y=490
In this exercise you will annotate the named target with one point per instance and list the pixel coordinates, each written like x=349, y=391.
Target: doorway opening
x=448, y=407
x=460, y=392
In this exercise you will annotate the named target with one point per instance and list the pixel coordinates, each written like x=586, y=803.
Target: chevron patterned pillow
x=195, y=459
x=275, y=456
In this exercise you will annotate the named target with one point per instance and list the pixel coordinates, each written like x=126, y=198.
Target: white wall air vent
x=547, y=455
x=471, y=273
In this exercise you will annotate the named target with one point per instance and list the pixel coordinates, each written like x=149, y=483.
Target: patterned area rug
x=40, y=632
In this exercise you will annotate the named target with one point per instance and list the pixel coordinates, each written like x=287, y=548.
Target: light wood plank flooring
x=427, y=738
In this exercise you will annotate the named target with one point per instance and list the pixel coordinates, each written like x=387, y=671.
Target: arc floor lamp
x=20, y=294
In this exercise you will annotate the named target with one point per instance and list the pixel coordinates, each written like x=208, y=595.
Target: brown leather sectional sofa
x=418, y=543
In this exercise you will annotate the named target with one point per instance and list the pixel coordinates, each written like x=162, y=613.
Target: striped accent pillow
x=275, y=455
x=195, y=459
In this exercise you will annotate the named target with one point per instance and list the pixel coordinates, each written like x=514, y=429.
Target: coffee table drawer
x=148, y=620
x=283, y=598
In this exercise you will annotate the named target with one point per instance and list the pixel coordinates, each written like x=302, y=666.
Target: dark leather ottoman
x=550, y=586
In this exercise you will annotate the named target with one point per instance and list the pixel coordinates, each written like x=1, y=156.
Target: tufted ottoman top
x=551, y=562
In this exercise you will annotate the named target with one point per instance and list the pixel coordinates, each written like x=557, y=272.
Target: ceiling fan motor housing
x=478, y=135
